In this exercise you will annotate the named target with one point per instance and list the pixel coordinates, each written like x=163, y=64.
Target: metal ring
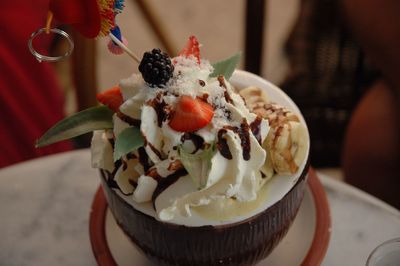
x=41, y=57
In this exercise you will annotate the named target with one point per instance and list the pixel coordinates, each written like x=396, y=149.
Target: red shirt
x=31, y=100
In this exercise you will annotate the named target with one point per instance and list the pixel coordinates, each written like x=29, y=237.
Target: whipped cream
x=233, y=171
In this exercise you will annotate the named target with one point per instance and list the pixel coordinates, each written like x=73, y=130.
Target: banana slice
x=253, y=96
x=275, y=114
x=257, y=101
x=287, y=144
x=287, y=140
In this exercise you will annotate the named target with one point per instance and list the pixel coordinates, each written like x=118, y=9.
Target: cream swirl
x=233, y=170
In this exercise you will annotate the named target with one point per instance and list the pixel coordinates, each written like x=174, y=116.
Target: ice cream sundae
x=183, y=146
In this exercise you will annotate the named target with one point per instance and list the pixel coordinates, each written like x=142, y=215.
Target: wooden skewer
x=126, y=49
x=48, y=21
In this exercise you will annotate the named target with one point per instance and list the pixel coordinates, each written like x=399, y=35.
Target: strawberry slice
x=112, y=98
x=192, y=48
x=191, y=114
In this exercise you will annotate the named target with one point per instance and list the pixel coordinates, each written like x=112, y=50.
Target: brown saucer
x=314, y=255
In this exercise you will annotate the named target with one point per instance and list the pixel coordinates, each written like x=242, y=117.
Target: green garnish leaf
x=85, y=121
x=198, y=165
x=226, y=67
x=128, y=140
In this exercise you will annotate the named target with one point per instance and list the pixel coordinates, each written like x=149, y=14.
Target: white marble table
x=45, y=205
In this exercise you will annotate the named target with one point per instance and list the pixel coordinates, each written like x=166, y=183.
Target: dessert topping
x=191, y=114
x=156, y=68
x=192, y=49
x=287, y=140
x=222, y=84
x=161, y=107
x=112, y=98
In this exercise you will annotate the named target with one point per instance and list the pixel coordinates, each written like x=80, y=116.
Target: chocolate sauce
x=256, y=128
x=112, y=183
x=222, y=145
x=228, y=114
x=243, y=133
x=112, y=142
x=144, y=159
x=130, y=155
x=221, y=81
x=197, y=141
x=244, y=136
x=110, y=180
x=162, y=109
x=133, y=183
x=157, y=152
x=277, y=111
x=175, y=165
x=164, y=183
x=127, y=119
x=262, y=175
x=278, y=132
x=124, y=165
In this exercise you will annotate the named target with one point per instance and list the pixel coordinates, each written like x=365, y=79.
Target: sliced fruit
x=192, y=48
x=112, y=98
x=288, y=146
x=191, y=114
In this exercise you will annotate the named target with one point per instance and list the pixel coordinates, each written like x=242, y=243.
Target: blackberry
x=156, y=68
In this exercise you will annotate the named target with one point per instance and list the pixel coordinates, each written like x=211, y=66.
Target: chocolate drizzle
x=164, y=183
x=262, y=175
x=256, y=128
x=144, y=159
x=222, y=144
x=133, y=183
x=197, y=141
x=278, y=132
x=221, y=81
x=244, y=135
x=275, y=113
x=130, y=155
x=110, y=178
x=127, y=119
x=156, y=152
x=162, y=109
x=124, y=165
x=112, y=142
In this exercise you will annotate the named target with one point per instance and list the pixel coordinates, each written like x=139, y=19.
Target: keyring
x=41, y=57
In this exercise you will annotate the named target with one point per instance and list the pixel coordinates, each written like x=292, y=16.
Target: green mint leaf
x=77, y=124
x=226, y=67
x=198, y=165
x=128, y=140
